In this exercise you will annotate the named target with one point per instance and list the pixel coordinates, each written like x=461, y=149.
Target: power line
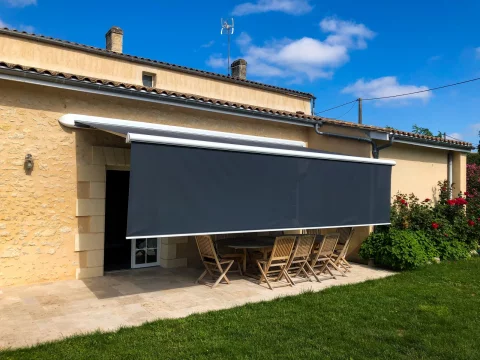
x=340, y=117
x=422, y=91
x=399, y=95
x=451, y=137
x=336, y=107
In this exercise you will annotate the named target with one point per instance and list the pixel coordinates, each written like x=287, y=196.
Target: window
x=145, y=253
x=148, y=80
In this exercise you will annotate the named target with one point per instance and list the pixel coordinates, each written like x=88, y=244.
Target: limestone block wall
x=39, y=227
x=90, y=212
x=90, y=207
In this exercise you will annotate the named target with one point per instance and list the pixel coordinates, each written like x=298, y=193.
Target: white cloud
x=216, y=61
x=432, y=59
x=346, y=33
x=305, y=58
x=386, y=86
x=26, y=28
x=243, y=39
x=20, y=3
x=208, y=44
x=293, y=7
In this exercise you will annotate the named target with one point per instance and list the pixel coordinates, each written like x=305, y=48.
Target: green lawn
x=432, y=313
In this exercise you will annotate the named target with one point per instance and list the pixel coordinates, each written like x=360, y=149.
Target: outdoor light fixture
x=28, y=164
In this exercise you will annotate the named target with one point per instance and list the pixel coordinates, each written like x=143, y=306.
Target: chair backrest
x=313, y=231
x=347, y=236
x=328, y=244
x=304, y=246
x=282, y=248
x=206, y=247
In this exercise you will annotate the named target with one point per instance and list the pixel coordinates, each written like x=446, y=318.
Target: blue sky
x=338, y=50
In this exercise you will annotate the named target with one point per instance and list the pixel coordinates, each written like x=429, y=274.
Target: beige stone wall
x=459, y=173
x=418, y=169
x=51, y=221
x=36, y=54
x=339, y=146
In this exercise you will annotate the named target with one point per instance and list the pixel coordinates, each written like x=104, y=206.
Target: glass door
x=145, y=253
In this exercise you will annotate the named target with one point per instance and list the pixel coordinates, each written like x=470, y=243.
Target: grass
x=431, y=313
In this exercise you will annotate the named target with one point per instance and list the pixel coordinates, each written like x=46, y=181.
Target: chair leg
x=307, y=265
x=263, y=276
x=336, y=267
x=209, y=271
x=201, y=276
x=240, y=268
x=223, y=275
x=289, y=279
x=325, y=267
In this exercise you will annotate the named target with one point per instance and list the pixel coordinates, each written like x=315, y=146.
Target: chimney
x=114, y=38
x=239, y=69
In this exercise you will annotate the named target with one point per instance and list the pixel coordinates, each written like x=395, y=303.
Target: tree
x=424, y=131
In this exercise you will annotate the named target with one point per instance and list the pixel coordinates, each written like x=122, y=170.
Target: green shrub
x=420, y=230
x=399, y=249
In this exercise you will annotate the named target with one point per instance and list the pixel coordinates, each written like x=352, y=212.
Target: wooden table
x=261, y=243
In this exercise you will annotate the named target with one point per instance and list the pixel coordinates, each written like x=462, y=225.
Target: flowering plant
x=445, y=227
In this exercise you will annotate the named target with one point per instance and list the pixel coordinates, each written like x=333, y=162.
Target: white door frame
x=133, y=251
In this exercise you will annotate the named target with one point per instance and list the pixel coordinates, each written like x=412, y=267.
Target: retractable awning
x=195, y=182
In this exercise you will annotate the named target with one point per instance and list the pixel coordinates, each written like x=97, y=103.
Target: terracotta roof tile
x=71, y=44
x=198, y=98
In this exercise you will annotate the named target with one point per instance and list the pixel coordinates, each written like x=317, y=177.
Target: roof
x=50, y=75
x=161, y=64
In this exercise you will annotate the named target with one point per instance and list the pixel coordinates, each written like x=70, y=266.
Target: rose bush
x=420, y=230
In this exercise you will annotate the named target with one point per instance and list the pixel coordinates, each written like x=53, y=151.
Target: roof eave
x=433, y=143
x=22, y=75
x=155, y=97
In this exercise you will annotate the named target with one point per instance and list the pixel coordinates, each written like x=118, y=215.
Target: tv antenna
x=228, y=29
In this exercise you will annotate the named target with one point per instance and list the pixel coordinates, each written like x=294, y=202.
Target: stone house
x=71, y=114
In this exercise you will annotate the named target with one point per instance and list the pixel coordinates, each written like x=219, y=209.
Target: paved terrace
x=39, y=313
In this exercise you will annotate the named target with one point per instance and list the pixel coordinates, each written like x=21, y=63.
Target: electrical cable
x=422, y=91
x=336, y=107
x=399, y=95
x=340, y=117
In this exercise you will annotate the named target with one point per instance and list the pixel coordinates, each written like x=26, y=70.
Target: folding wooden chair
x=340, y=254
x=276, y=264
x=322, y=257
x=213, y=263
x=300, y=256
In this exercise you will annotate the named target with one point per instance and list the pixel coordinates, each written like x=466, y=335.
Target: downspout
x=375, y=148
x=450, y=173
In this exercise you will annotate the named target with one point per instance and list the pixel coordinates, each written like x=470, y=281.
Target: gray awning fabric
x=187, y=184
x=178, y=191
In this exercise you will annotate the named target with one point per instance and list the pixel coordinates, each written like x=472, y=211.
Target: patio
x=38, y=313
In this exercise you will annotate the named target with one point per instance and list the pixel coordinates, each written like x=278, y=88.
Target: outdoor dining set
x=275, y=258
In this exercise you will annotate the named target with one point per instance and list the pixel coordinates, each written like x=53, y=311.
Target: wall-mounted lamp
x=28, y=164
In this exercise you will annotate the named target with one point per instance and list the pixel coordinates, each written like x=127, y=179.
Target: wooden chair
x=274, y=268
x=300, y=256
x=339, y=255
x=213, y=263
x=322, y=256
